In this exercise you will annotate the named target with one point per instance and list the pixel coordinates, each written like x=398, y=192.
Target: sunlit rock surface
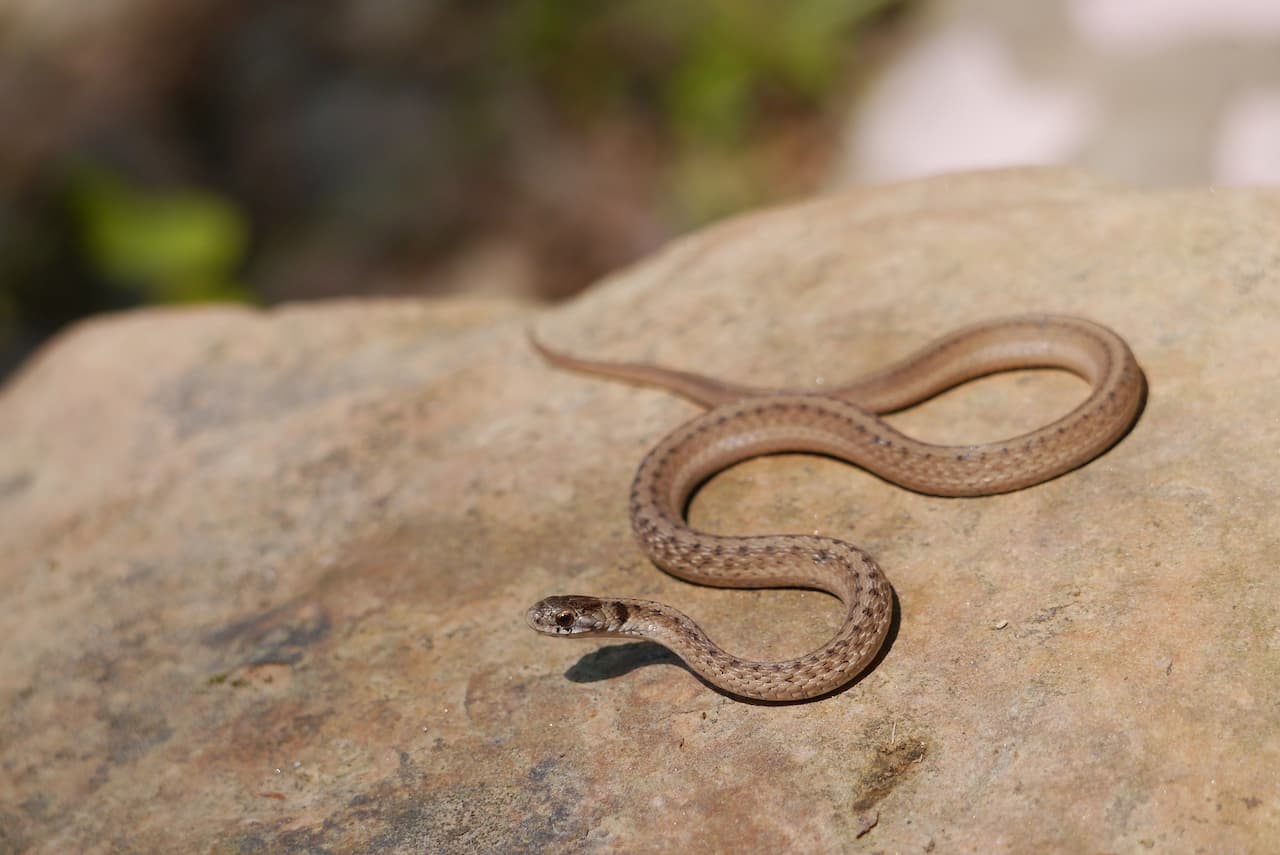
x=264, y=574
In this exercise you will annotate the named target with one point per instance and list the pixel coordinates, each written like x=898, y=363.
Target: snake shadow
x=617, y=660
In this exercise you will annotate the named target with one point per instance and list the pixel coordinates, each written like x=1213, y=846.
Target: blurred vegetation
x=708, y=75
x=174, y=246
x=321, y=148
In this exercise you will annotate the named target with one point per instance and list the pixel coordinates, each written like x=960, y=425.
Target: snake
x=743, y=422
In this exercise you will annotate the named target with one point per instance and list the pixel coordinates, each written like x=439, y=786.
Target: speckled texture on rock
x=264, y=574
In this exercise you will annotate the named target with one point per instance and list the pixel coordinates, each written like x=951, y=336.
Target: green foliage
x=705, y=71
x=707, y=63
x=173, y=246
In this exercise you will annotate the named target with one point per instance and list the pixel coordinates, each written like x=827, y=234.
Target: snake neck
x=834, y=664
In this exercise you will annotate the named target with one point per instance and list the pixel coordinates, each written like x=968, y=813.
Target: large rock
x=264, y=573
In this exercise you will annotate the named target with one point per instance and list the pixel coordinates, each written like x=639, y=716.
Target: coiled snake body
x=745, y=422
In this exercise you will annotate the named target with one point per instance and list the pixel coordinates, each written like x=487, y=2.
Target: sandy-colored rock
x=264, y=574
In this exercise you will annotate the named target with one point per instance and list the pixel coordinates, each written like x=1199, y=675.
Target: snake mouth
x=555, y=616
x=540, y=618
x=531, y=618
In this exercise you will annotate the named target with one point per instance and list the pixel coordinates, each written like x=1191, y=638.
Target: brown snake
x=745, y=422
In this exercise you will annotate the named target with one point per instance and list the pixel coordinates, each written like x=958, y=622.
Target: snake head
x=574, y=615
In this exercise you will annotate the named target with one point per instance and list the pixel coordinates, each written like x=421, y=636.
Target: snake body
x=745, y=422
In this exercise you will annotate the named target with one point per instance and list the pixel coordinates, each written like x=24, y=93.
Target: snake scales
x=743, y=422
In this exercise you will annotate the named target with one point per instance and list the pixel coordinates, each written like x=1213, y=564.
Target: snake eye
x=564, y=619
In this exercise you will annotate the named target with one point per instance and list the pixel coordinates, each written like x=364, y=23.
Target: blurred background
x=155, y=152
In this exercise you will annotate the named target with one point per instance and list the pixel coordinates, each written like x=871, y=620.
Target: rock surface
x=264, y=574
